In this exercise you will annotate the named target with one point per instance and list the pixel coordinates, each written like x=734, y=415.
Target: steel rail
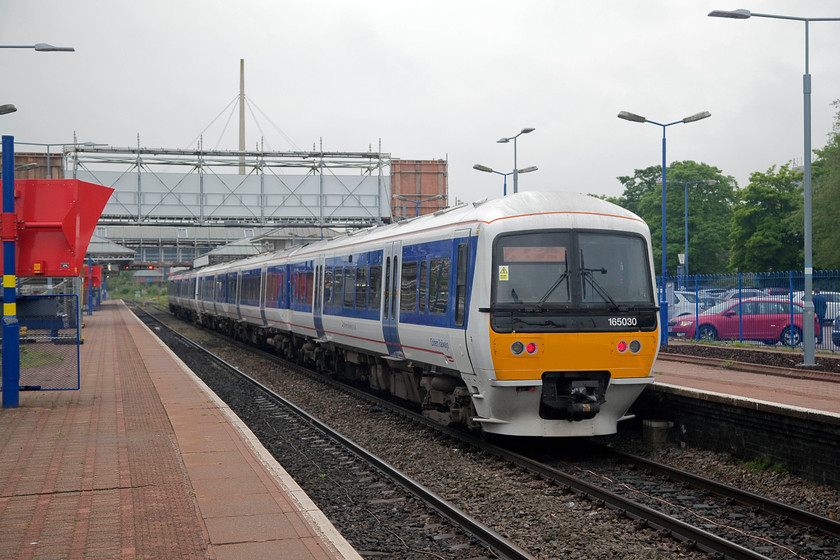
x=762, y=503
x=684, y=532
x=498, y=544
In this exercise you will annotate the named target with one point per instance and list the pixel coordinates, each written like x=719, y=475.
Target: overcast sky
x=431, y=80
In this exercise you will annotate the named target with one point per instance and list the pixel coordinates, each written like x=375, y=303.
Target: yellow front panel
x=572, y=352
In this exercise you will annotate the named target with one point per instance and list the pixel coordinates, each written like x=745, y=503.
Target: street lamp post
x=49, y=167
x=515, y=171
x=417, y=203
x=808, y=303
x=40, y=47
x=10, y=325
x=685, y=184
x=486, y=169
x=663, y=299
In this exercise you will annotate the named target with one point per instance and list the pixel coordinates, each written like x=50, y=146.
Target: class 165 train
x=529, y=315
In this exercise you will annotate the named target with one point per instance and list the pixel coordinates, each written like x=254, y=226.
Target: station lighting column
x=663, y=294
x=808, y=301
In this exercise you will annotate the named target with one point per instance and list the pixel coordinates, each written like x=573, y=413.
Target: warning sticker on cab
x=504, y=273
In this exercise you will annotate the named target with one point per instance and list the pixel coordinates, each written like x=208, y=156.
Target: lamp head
x=7, y=108
x=697, y=117
x=733, y=14
x=484, y=168
x=631, y=117
x=503, y=140
x=527, y=130
x=528, y=169
x=46, y=47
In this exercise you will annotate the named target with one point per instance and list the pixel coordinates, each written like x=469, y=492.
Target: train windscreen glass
x=571, y=269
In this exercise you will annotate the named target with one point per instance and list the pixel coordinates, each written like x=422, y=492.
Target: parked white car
x=684, y=303
x=832, y=300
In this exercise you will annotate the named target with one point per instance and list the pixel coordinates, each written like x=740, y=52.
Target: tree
x=709, y=206
x=765, y=233
x=826, y=201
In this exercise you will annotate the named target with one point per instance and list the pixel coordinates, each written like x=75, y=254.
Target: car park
x=768, y=320
x=743, y=293
x=835, y=332
x=685, y=303
x=832, y=300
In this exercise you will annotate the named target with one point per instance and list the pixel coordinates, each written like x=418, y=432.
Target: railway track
x=701, y=534
x=303, y=431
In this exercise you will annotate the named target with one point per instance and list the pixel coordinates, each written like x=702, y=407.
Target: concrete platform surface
x=796, y=389
x=144, y=461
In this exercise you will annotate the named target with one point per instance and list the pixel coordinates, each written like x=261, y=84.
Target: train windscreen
x=569, y=272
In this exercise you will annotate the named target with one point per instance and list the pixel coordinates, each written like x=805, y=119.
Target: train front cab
x=573, y=332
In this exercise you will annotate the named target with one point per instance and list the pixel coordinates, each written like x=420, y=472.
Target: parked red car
x=769, y=320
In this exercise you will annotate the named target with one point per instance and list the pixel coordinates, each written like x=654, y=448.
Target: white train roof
x=529, y=205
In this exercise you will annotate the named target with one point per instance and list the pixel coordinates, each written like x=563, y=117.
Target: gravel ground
x=549, y=523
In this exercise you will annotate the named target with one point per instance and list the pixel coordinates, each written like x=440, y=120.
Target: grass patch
x=37, y=357
x=762, y=465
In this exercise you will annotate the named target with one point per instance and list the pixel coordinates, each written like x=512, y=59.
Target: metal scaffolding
x=159, y=186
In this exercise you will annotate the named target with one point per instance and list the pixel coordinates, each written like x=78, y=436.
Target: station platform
x=144, y=461
x=797, y=389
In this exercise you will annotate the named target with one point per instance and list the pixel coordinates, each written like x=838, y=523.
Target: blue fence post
x=11, y=328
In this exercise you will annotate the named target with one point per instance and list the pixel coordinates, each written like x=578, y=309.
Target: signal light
x=622, y=347
x=531, y=347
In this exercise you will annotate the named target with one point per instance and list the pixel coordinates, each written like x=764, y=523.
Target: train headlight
x=635, y=346
x=517, y=348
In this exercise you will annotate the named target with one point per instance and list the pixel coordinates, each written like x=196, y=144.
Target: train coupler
x=573, y=396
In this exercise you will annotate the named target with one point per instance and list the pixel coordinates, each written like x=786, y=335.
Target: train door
x=390, y=298
x=318, y=299
x=464, y=259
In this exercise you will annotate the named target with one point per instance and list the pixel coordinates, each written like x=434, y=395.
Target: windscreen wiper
x=588, y=274
x=553, y=287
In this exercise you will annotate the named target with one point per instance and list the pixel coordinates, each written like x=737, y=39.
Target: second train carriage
x=529, y=315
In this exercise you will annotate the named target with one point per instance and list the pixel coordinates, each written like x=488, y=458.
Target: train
x=532, y=315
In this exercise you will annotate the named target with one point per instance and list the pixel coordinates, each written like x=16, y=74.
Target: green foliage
x=825, y=185
x=709, y=212
x=761, y=465
x=765, y=235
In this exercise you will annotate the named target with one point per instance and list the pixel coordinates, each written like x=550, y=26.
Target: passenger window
x=361, y=286
x=438, y=286
x=408, y=291
x=338, y=287
x=461, y=285
x=375, y=287
x=387, y=286
x=424, y=285
x=349, y=287
x=328, y=287
x=394, y=292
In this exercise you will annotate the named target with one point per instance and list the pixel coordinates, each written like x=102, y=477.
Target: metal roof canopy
x=159, y=186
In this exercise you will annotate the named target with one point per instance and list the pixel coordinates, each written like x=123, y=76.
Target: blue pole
x=663, y=301
x=90, y=285
x=11, y=329
x=686, y=230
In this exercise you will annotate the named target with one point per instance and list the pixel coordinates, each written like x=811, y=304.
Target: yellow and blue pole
x=11, y=329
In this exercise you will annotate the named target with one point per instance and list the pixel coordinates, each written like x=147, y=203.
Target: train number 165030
x=623, y=321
